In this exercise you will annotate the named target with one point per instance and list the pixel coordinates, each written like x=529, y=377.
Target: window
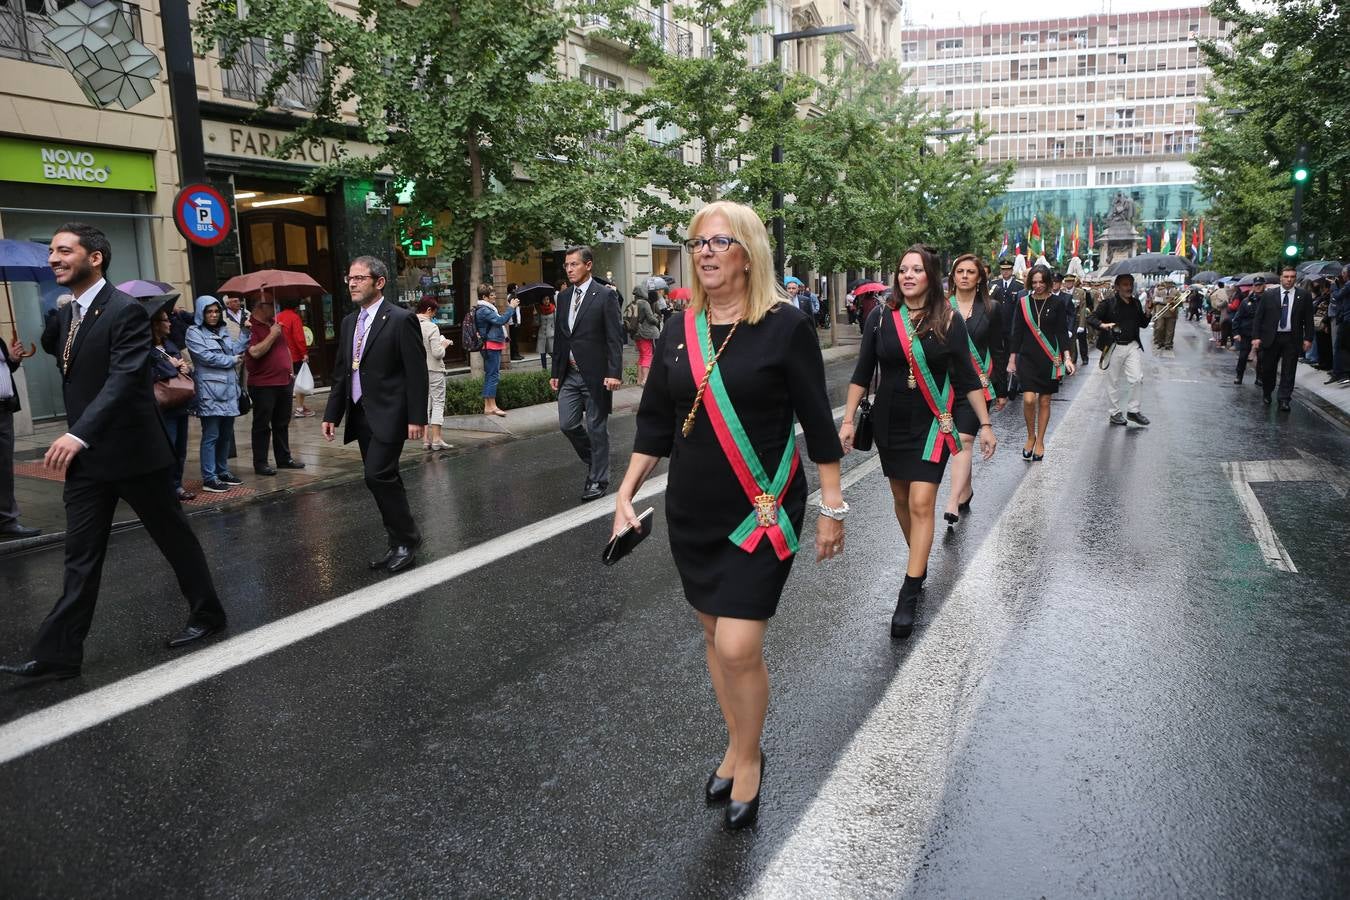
x=1121, y=59
x=1028, y=38
x=1125, y=116
x=603, y=82
x=950, y=44
x=909, y=51
x=1052, y=37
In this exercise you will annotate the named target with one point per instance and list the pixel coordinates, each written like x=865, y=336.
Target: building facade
x=1085, y=107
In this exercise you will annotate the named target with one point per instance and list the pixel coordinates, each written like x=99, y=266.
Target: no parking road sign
x=202, y=215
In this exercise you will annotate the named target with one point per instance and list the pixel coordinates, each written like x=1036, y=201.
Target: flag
x=1059, y=246
x=1209, y=252
x=1181, y=240
x=1075, y=239
x=1092, y=237
x=1003, y=251
x=1148, y=242
x=1166, y=239
x=1198, y=240
x=1035, y=245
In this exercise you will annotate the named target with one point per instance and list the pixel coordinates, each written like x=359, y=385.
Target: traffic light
x=1292, y=248
x=1300, y=171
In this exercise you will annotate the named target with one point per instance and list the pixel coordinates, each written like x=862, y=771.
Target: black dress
x=1035, y=371
x=773, y=373
x=985, y=327
x=901, y=419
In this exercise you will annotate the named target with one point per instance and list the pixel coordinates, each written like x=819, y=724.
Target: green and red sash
x=943, y=433
x=767, y=518
x=981, y=365
x=1051, y=348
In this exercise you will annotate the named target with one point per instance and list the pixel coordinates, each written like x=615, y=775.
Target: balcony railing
x=247, y=79
x=672, y=38
x=674, y=149
x=24, y=22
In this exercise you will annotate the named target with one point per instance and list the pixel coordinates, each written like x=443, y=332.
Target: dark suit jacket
x=108, y=388
x=1268, y=316
x=1005, y=300
x=596, y=342
x=393, y=375
x=12, y=405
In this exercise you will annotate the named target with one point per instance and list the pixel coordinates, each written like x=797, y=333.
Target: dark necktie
x=1284, y=313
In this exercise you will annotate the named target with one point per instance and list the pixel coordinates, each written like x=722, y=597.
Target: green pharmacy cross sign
x=422, y=244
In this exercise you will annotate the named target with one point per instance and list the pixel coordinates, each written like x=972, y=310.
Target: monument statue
x=1119, y=239
x=1122, y=210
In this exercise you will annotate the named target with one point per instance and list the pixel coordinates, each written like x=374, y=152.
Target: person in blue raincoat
x=215, y=353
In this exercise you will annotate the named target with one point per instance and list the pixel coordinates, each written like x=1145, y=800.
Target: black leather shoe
x=1237, y=381
x=594, y=490
x=19, y=531
x=192, y=633
x=36, y=668
x=400, y=558
x=1138, y=418
x=1284, y=406
x=718, y=789
x=264, y=470
x=743, y=815
x=965, y=507
x=291, y=464
x=383, y=560
x=1265, y=398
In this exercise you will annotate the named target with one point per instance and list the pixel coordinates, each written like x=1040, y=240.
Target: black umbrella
x=1248, y=280
x=1149, y=264
x=1205, y=277
x=531, y=294
x=1319, y=267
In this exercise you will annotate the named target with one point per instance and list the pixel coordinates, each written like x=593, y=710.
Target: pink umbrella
x=680, y=293
x=870, y=287
x=279, y=284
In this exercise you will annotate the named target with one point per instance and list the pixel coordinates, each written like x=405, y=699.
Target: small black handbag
x=862, y=429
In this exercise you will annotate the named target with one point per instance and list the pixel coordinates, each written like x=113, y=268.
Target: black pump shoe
x=743, y=815
x=952, y=518
x=965, y=507
x=718, y=789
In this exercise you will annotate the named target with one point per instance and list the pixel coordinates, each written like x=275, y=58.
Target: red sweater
x=294, y=331
x=273, y=368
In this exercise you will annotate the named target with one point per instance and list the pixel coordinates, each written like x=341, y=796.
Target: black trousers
x=89, y=515
x=1282, y=353
x=380, y=459
x=1082, y=339
x=271, y=419
x=9, y=507
x=1243, y=342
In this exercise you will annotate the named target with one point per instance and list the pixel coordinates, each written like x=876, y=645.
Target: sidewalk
x=1330, y=399
x=38, y=491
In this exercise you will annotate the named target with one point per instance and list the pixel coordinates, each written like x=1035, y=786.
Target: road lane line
x=1272, y=549
x=69, y=717
x=865, y=832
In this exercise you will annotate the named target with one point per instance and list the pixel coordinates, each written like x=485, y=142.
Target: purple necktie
x=358, y=339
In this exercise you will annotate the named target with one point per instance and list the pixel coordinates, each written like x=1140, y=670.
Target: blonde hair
x=764, y=291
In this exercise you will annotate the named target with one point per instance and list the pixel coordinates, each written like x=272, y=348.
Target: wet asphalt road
x=1110, y=692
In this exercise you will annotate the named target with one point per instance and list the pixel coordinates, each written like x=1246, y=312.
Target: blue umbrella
x=22, y=261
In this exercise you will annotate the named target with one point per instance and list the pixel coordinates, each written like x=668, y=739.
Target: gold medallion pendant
x=911, y=382
x=984, y=381
x=766, y=510
x=945, y=423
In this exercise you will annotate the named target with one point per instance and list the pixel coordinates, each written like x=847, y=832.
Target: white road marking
x=1309, y=467
x=864, y=833
x=60, y=721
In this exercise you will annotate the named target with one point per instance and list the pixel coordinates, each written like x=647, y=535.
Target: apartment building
x=1084, y=106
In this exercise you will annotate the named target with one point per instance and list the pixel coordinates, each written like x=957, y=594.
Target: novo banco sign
x=76, y=165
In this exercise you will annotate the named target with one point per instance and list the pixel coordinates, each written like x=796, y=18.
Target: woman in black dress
x=919, y=343
x=988, y=351
x=729, y=376
x=1038, y=357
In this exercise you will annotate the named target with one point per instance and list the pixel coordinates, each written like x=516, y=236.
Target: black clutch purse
x=623, y=543
x=862, y=428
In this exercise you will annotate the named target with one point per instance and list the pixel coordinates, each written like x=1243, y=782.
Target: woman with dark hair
x=434, y=343
x=922, y=349
x=1036, y=359
x=988, y=351
x=169, y=361
x=490, y=325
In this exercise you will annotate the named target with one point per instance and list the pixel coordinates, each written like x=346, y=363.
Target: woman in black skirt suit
x=989, y=351
x=1039, y=358
x=916, y=330
x=736, y=495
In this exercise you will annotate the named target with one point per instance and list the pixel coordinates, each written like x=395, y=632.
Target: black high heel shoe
x=742, y=815
x=718, y=789
x=952, y=518
x=1026, y=454
x=965, y=507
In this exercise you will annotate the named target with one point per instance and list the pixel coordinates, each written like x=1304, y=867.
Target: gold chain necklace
x=911, y=382
x=707, y=374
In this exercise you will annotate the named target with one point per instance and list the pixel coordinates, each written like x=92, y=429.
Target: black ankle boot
x=902, y=621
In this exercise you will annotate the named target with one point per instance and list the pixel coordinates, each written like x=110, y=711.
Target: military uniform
x=1164, y=296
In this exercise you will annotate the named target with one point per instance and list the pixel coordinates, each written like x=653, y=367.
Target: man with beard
x=116, y=448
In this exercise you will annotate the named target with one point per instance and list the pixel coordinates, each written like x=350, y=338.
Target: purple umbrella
x=22, y=261
x=142, y=289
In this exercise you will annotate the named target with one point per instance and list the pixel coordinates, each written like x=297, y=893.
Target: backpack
x=630, y=317
x=470, y=337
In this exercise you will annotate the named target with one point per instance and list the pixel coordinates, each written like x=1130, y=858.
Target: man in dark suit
x=1283, y=330
x=1006, y=290
x=380, y=385
x=587, y=365
x=116, y=448
x=10, y=358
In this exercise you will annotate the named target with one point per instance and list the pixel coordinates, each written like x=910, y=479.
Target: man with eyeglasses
x=587, y=365
x=380, y=386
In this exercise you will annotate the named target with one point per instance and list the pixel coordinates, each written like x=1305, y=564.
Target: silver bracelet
x=830, y=512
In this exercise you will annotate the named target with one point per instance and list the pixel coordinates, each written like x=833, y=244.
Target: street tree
x=1279, y=80
x=463, y=100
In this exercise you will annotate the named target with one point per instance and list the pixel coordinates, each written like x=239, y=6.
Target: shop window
x=297, y=245
x=263, y=245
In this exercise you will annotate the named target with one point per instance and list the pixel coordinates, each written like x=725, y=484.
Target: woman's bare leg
x=1042, y=424
x=922, y=508
x=900, y=493
x=961, y=464
x=739, y=646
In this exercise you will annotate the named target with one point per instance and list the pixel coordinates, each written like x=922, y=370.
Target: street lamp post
x=779, y=250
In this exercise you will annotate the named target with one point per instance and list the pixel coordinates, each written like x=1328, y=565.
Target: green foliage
x=1279, y=79
x=464, y=396
x=464, y=99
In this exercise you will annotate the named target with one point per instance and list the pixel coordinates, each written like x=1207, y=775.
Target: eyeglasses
x=718, y=243
x=350, y=278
